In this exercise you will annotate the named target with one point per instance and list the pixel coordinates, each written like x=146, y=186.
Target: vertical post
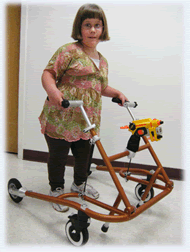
x=85, y=116
x=113, y=174
x=120, y=189
x=157, y=161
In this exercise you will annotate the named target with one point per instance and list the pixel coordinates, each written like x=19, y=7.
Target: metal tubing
x=116, y=203
x=75, y=103
x=122, y=216
x=150, y=203
x=85, y=115
x=152, y=151
x=145, y=182
x=131, y=114
x=103, y=205
x=149, y=185
x=156, y=159
x=126, y=153
x=119, y=155
x=18, y=192
x=144, y=147
x=112, y=173
x=137, y=171
x=62, y=200
x=122, y=169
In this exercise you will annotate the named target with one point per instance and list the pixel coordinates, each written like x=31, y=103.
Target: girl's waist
x=84, y=85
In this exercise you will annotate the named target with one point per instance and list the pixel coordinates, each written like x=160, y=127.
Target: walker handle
x=126, y=104
x=66, y=103
x=74, y=103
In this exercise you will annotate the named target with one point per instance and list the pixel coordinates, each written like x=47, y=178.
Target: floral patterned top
x=78, y=78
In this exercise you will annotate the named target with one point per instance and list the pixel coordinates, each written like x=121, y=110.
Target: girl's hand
x=55, y=97
x=123, y=98
x=111, y=92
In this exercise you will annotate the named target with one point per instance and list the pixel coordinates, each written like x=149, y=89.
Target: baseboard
x=40, y=156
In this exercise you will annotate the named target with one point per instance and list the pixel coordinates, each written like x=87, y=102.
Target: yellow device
x=147, y=127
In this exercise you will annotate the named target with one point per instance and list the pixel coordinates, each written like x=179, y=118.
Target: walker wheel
x=15, y=185
x=76, y=238
x=140, y=189
x=104, y=228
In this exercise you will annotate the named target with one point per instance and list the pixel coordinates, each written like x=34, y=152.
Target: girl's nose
x=92, y=29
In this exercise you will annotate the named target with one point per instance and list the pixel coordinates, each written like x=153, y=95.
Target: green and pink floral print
x=78, y=78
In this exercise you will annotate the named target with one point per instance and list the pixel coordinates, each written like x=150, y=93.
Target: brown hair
x=89, y=11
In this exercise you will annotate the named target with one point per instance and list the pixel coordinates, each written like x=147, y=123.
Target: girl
x=77, y=71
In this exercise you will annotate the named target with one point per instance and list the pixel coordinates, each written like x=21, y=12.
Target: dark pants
x=58, y=153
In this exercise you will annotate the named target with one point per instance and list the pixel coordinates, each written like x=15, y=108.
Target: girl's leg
x=81, y=153
x=58, y=153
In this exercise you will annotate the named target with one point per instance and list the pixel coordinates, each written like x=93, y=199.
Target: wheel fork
x=80, y=220
x=17, y=192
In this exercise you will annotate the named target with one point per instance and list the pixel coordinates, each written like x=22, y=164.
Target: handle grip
x=66, y=103
x=126, y=104
x=116, y=100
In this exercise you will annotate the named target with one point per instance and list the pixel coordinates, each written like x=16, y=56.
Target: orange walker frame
x=115, y=214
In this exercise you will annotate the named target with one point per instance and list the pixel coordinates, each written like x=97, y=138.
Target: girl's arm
x=49, y=84
x=111, y=92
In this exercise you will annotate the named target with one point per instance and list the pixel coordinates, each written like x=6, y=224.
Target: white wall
x=145, y=56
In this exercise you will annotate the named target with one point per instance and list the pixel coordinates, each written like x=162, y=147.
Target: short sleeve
x=59, y=62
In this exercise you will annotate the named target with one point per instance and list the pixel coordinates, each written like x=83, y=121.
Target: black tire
x=140, y=189
x=14, y=184
x=104, y=228
x=77, y=239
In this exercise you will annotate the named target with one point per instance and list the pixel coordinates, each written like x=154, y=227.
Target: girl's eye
x=87, y=25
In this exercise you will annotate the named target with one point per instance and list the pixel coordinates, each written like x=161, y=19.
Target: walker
x=77, y=227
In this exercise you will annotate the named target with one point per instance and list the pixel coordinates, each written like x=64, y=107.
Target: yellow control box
x=147, y=127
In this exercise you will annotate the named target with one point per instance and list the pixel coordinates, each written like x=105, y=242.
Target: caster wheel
x=104, y=228
x=76, y=238
x=138, y=205
x=140, y=189
x=15, y=185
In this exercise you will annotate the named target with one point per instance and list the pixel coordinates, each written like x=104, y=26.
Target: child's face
x=91, y=31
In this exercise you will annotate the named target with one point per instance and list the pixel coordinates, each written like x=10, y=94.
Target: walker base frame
x=17, y=192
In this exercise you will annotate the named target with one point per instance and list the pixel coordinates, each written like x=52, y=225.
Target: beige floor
x=34, y=223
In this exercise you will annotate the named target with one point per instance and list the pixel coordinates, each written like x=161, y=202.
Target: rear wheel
x=139, y=191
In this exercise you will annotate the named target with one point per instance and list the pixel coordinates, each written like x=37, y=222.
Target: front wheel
x=76, y=238
x=139, y=191
x=14, y=184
